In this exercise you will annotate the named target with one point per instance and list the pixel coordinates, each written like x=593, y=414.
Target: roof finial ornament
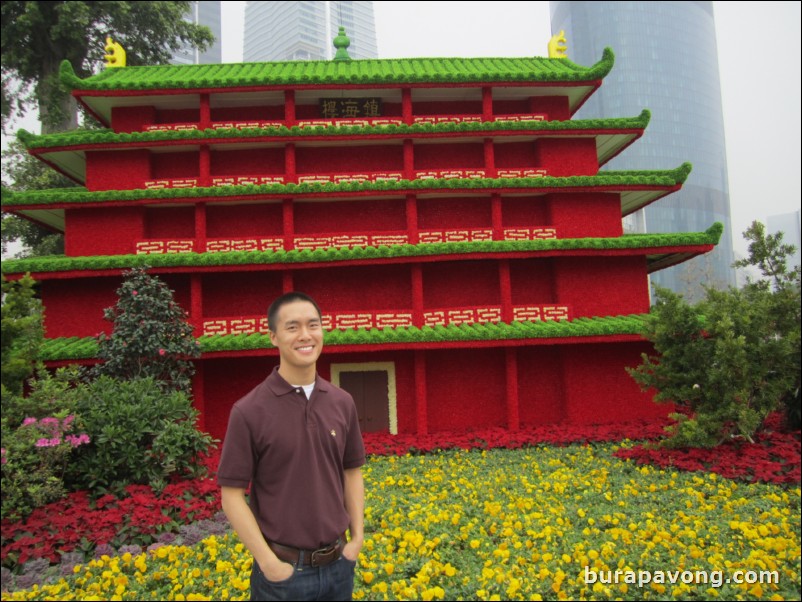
x=115, y=54
x=341, y=43
x=558, y=46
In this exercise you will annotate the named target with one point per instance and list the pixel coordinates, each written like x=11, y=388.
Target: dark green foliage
x=139, y=434
x=633, y=241
x=731, y=359
x=150, y=336
x=22, y=334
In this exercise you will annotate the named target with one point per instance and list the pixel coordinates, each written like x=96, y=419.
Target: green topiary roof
x=75, y=348
x=352, y=72
x=193, y=261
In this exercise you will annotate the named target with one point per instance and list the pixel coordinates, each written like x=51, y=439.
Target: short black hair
x=286, y=298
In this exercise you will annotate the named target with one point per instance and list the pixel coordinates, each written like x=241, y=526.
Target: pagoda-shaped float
x=447, y=214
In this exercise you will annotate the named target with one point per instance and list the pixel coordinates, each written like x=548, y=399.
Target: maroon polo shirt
x=293, y=453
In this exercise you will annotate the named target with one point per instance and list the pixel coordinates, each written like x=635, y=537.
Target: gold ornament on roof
x=558, y=46
x=115, y=54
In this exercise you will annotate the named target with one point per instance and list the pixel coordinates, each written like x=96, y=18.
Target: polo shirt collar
x=279, y=386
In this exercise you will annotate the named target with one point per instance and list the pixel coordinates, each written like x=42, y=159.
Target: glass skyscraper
x=208, y=14
x=292, y=31
x=666, y=61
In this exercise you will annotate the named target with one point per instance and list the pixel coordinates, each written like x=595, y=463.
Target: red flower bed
x=774, y=457
x=78, y=523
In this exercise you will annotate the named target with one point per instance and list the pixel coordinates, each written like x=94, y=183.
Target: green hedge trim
x=670, y=177
x=60, y=263
x=355, y=72
x=107, y=136
x=75, y=348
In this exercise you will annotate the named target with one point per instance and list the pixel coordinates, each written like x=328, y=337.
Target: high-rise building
x=208, y=14
x=667, y=62
x=297, y=31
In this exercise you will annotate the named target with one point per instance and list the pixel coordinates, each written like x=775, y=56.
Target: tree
x=37, y=36
x=150, y=338
x=22, y=334
x=732, y=358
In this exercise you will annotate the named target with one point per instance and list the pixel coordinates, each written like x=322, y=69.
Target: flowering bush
x=151, y=336
x=39, y=437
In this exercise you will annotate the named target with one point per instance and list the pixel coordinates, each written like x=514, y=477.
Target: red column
x=287, y=282
x=205, y=167
x=417, y=295
x=205, y=120
x=406, y=105
x=421, y=405
x=497, y=216
x=487, y=103
x=290, y=174
x=513, y=412
x=196, y=303
x=505, y=287
x=412, y=219
x=490, y=158
x=289, y=108
x=200, y=227
x=288, y=224
x=409, y=160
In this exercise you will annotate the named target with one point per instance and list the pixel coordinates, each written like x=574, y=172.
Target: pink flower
x=75, y=441
x=162, y=352
x=29, y=421
x=134, y=293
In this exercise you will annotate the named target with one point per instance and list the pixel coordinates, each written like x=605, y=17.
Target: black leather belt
x=314, y=558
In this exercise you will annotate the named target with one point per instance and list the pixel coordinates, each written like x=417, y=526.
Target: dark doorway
x=369, y=390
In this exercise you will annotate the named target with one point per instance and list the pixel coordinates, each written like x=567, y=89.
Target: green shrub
x=731, y=359
x=22, y=334
x=140, y=434
x=151, y=336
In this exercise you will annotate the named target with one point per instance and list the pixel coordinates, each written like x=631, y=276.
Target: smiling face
x=298, y=336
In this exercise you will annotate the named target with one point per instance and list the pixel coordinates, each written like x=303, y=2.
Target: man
x=295, y=438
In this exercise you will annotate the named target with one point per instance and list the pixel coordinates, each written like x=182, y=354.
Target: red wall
x=360, y=217
x=254, y=161
x=598, y=389
x=174, y=165
x=260, y=113
x=463, y=283
x=449, y=156
x=169, y=222
x=239, y=221
x=532, y=281
x=590, y=214
x=357, y=288
x=525, y=211
x=132, y=119
x=102, y=232
x=350, y=159
x=74, y=308
x=602, y=286
x=540, y=385
x=465, y=107
x=567, y=156
x=117, y=170
x=178, y=116
x=465, y=388
x=515, y=155
x=556, y=108
x=239, y=293
x=451, y=213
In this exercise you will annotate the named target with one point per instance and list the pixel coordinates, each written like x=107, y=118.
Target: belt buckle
x=322, y=557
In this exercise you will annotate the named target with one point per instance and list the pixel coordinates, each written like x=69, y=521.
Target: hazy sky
x=759, y=62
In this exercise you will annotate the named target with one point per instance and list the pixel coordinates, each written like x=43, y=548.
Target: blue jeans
x=334, y=581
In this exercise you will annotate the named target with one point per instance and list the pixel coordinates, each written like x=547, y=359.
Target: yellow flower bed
x=545, y=523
